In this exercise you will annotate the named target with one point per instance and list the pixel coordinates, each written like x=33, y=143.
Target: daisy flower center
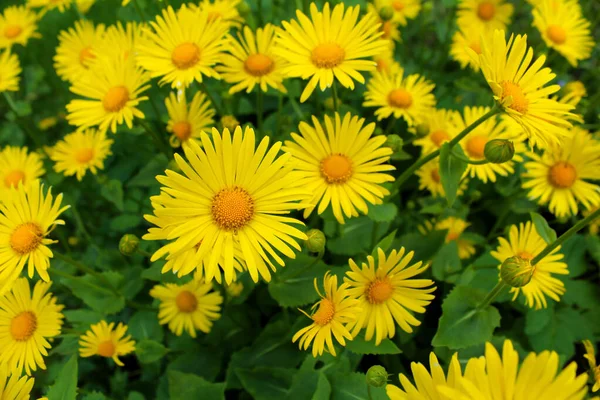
x=183, y=130
x=186, y=302
x=435, y=175
x=12, y=31
x=486, y=10
x=557, y=34
x=562, y=175
x=438, y=137
x=26, y=238
x=476, y=145
x=115, y=99
x=258, y=64
x=23, y=326
x=327, y=55
x=452, y=236
x=13, y=178
x=232, y=208
x=106, y=349
x=476, y=47
x=400, y=98
x=379, y=291
x=325, y=313
x=382, y=65
x=86, y=55
x=520, y=103
x=185, y=55
x=398, y=5
x=83, y=156
x=337, y=168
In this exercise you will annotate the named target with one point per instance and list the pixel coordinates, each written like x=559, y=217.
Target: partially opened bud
x=386, y=13
x=516, y=271
x=129, y=244
x=377, y=376
x=498, y=151
x=316, y=241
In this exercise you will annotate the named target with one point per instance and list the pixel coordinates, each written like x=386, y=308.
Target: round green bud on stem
x=316, y=241
x=328, y=104
x=377, y=376
x=128, y=244
x=516, y=271
x=386, y=13
x=422, y=130
x=498, y=151
x=394, y=142
x=243, y=8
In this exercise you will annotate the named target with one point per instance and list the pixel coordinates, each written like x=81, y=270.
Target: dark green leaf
x=574, y=250
x=360, y=346
x=265, y=383
x=446, y=262
x=95, y=293
x=451, y=171
x=113, y=192
x=311, y=385
x=144, y=325
x=542, y=227
x=385, y=243
x=149, y=351
x=385, y=212
x=188, y=386
x=65, y=386
x=353, y=386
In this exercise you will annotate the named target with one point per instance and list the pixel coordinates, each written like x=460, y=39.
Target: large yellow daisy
x=331, y=44
x=188, y=120
x=9, y=72
x=119, y=41
x=231, y=194
x=106, y=340
x=183, y=46
x=439, y=126
x=226, y=10
x=524, y=241
x=18, y=24
x=14, y=386
x=17, y=165
x=403, y=9
x=484, y=14
x=341, y=164
x=563, y=175
x=27, y=321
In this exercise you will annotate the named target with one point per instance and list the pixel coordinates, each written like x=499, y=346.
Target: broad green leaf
x=266, y=383
x=311, y=385
x=144, y=325
x=94, y=292
x=542, y=227
x=385, y=243
x=69, y=345
x=593, y=247
x=94, y=396
x=425, y=247
x=353, y=386
x=83, y=317
x=147, y=175
x=188, y=386
x=446, y=264
x=65, y=386
x=203, y=361
x=113, y=192
x=574, y=250
x=583, y=293
x=356, y=236
x=149, y=351
x=451, y=171
x=361, y=346
x=135, y=396
x=385, y=212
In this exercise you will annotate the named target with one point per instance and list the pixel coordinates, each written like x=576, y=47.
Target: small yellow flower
x=187, y=121
x=18, y=165
x=18, y=24
x=484, y=14
x=429, y=179
x=10, y=69
x=77, y=49
x=468, y=37
x=105, y=340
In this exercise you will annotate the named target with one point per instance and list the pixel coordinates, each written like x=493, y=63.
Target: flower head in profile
x=388, y=293
x=190, y=307
x=28, y=320
x=14, y=386
x=106, y=340
x=79, y=152
x=336, y=309
x=331, y=44
x=18, y=165
x=525, y=242
x=188, y=120
x=342, y=164
x=436, y=128
x=403, y=10
x=566, y=175
x=18, y=24
x=225, y=10
x=10, y=68
x=590, y=355
x=484, y=14
x=77, y=49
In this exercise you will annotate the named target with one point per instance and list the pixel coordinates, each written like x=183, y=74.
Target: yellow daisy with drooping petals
x=190, y=307
x=518, y=85
x=342, y=164
x=464, y=38
x=119, y=42
x=403, y=9
x=393, y=94
x=18, y=24
x=79, y=152
x=336, y=309
x=62, y=5
x=231, y=194
x=225, y=10
x=455, y=227
x=564, y=30
x=27, y=322
x=439, y=126
x=77, y=49
x=27, y=218
x=563, y=176
x=252, y=62
x=590, y=355
x=18, y=165
x=331, y=44
x=10, y=68
x=388, y=293
x=112, y=96
x=14, y=386
x=187, y=121
x=106, y=340
x=429, y=179
x=524, y=241
x=183, y=46
x=484, y=14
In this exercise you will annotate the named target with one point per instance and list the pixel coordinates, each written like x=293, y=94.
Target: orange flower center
x=562, y=175
x=185, y=55
x=232, y=208
x=106, y=348
x=526, y=255
x=325, y=313
x=26, y=238
x=379, y=291
x=23, y=326
x=557, y=34
x=452, y=236
x=337, y=168
x=86, y=55
x=476, y=145
x=12, y=31
x=520, y=102
x=398, y=5
x=186, y=302
x=382, y=65
x=476, y=47
x=400, y=98
x=438, y=137
x=258, y=64
x=115, y=99
x=435, y=175
x=13, y=178
x=386, y=28
x=327, y=55
x=486, y=10
x=183, y=130
x=83, y=156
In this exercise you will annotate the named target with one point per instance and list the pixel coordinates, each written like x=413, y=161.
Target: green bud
x=229, y=122
x=378, y=131
x=328, y=103
x=377, y=376
x=316, y=241
x=128, y=244
x=243, y=8
x=386, y=13
x=422, y=129
x=498, y=151
x=73, y=241
x=394, y=142
x=516, y=271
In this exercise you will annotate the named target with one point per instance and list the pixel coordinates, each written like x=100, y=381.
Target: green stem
x=259, y=109
x=161, y=145
x=212, y=99
x=335, y=97
x=22, y=122
x=390, y=126
x=260, y=12
x=500, y=286
x=80, y=224
x=63, y=274
x=86, y=270
x=279, y=108
x=468, y=160
x=309, y=266
x=295, y=106
x=369, y=392
x=143, y=252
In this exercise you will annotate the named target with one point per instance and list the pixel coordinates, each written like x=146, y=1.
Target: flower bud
x=386, y=13
x=328, y=104
x=234, y=289
x=128, y=244
x=422, y=129
x=394, y=142
x=73, y=241
x=377, y=376
x=229, y=122
x=516, y=271
x=498, y=151
x=243, y=8
x=316, y=241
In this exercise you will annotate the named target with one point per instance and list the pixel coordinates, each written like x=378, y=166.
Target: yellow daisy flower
x=28, y=216
x=14, y=386
x=187, y=307
x=389, y=29
x=564, y=29
x=403, y=9
x=518, y=85
x=17, y=165
x=226, y=10
x=252, y=62
x=105, y=340
x=456, y=227
x=112, y=96
x=440, y=127
x=464, y=38
x=332, y=44
x=9, y=72
x=342, y=164
x=120, y=40
x=429, y=179
x=335, y=310
x=524, y=241
x=18, y=24
x=188, y=121
x=385, y=61
x=484, y=14
x=27, y=321
x=394, y=94
x=590, y=355
x=77, y=49
x=388, y=293
x=231, y=194
x=183, y=46
x=560, y=176
x=62, y=5
x=81, y=151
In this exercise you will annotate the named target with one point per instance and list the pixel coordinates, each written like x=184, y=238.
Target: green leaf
x=385, y=212
x=144, y=325
x=135, y=396
x=361, y=346
x=446, y=262
x=357, y=235
x=265, y=383
x=593, y=247
x=65, y=386
x=574, y=250
x=353, y=386
x=188, y=386
x=149, y=351
x=94, y=396
x=69, y=345
x=113, y=192
x=385, y=243
x=147, y=175
x=542, y=227
x=312, y=385
x=93, y=292
x=461, y=324
x=451, y=171
x=425, y=247
x=84, y=317
x=582, y=293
